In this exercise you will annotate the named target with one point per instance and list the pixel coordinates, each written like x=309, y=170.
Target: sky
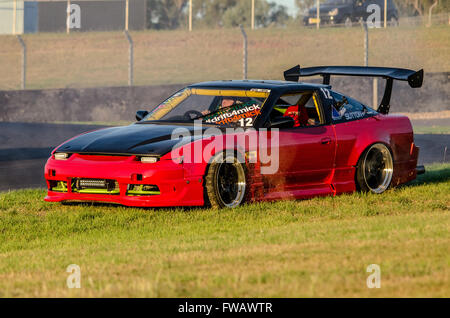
x=290, y=4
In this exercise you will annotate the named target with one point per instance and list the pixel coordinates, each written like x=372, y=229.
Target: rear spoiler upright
x=413, y=78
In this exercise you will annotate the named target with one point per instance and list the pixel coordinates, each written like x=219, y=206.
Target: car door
x=351, y=120
x=306, y=152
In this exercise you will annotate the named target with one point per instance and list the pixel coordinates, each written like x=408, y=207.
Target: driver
x=225, y=102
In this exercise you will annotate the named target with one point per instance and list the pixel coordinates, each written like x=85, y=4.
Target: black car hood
x=137, y=139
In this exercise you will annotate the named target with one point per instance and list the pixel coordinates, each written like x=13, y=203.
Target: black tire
x=225, y=182
x=375, y=169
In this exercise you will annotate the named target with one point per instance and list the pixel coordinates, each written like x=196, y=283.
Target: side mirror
x=282, y=122
x=140, y=114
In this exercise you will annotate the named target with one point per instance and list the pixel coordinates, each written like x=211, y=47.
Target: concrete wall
x=88, y=104
x=121, y=103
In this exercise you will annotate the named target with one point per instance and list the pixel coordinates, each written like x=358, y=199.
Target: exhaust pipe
x=420, y=169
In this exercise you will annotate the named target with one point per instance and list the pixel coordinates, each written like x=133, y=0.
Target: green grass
x=311, y=248
x=81, y=59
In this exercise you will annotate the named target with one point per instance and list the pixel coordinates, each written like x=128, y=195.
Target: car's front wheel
x=225, y=182
x=375, y=169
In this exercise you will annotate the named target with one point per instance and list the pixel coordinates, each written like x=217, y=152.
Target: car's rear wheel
x=375, y=169
x=225, y=182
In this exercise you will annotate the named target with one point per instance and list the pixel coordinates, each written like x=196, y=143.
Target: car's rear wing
x=413, y=78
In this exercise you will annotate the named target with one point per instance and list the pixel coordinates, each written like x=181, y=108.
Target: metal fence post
x=245, y=51
x=127, y=13
x=14, y=17
x=253, y=14
x=318, y=14
x=366, y=63
x=366, y=44
x=190, y=15
x=24, y=61
x=130, y=58
x=385, y=14
x=68, y=17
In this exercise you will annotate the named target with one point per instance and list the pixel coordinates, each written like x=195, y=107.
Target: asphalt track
x=25, y=147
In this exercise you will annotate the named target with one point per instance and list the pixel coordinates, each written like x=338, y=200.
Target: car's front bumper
x=177, y=186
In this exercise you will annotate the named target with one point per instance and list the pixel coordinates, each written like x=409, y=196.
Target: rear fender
x=392, y=130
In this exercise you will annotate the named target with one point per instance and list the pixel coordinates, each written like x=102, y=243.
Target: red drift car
x=227, y=142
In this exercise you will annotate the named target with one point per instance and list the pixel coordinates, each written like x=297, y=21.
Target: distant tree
x=305, y=4
x=278, y=14
x=238, y=14
x=421, y=7
x=171, y=14
x=265, y=14
x=211, y=12
x=165, y=14
x=231, y=13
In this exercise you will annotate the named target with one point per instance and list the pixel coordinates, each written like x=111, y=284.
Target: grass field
x=101, y=58
x=312, y=248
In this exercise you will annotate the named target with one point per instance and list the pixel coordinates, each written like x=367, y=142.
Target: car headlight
x=335, y=11
x=61, y=156
x=149, y=159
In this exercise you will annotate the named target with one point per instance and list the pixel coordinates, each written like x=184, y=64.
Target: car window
x=213, y=106
x=201, y=102
x=303, y=107
x=346, y=108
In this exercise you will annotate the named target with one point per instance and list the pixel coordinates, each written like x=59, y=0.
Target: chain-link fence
x=54, y=53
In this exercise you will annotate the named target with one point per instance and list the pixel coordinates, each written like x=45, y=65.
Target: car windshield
x=214, y=106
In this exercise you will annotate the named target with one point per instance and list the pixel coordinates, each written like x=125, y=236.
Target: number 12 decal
x=326, y=92
x=246, y=122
